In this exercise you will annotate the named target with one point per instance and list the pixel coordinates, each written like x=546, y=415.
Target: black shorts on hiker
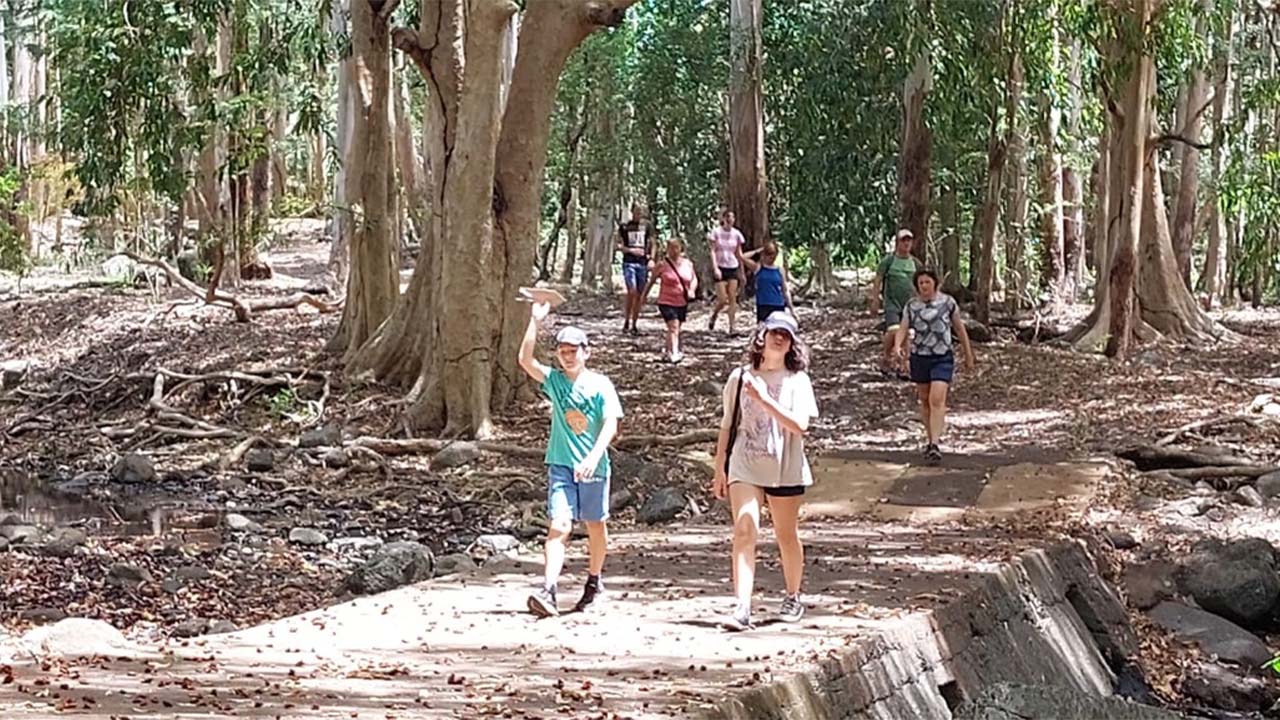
x=727, y=274
x=784, y=491
x=673, y=312
x=764, y=311
x=932, y=368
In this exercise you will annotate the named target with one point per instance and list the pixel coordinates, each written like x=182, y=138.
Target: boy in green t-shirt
x=893, y=284
x=584, y=418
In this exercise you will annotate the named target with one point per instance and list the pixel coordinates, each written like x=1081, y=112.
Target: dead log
x=1224, y=471
x=1153, y=457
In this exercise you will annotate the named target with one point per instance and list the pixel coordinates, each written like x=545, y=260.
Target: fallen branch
x=243, y=309
x=1204, y=425
x=636, y=442
x=421, y=446
x=1223, y=471
x=1148, y=457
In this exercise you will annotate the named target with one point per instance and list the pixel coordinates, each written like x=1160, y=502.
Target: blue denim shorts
x=932, y=368
x=635, y=275
x=579, y=501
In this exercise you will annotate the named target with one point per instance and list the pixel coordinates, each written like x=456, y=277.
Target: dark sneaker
x=593, y=598
x=791, y=609
x=933, y=453
x=543, y=603
x=739, y=620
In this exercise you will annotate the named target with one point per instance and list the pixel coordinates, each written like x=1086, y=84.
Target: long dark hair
x=797, y=359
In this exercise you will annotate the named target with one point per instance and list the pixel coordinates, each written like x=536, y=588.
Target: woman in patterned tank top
x=933, y=316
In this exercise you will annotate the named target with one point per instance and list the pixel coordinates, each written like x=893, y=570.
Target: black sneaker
x=593, y=598
x=739, y=620
x=543, y=603
x=933, y=453
x=791, y=609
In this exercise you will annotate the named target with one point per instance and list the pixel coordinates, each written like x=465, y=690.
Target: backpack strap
x=736, y=419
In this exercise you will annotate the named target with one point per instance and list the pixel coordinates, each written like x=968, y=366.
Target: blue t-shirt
x=769, y=286
x=578, y=411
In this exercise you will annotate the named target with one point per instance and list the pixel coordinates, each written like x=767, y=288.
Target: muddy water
x=43, y=503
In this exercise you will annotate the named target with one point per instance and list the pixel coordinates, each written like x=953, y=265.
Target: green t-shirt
x=578, y=411
x=897, y=279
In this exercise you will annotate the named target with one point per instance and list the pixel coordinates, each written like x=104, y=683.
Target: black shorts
x=673, y=312
x=727, y=274
x=784, y=491
x=764, y=311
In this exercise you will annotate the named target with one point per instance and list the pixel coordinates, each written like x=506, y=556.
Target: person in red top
x=679, y=285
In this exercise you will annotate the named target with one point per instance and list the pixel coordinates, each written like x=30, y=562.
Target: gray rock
x=489, y=545
x=307, y=536
x=1005, y=701
x=709, y=388
x=978, y=332
x=621, y=500
x=64, y=541
x=1121, y=540
x=133, y=468
x=454, y=563
x=240, y=523
x=632, y=470
x=1237, y=580
x=391, y=566
x=1213, y=634
x=4, y=544
x=171, y=585
x=1148, y=584
x=454, y=455
x=327, y=436
x=260, y=460
x=662, y=506
x=10, y=519
x=126, y=575
x=336, y=458
x=192, y=573
x=19, y=534
x=190, y=628
x=41, y=615
x=1268, y=486
x=1248, y=497
x=356, y=543
x=1219, y=687
x=12, y=373
x=221, y=627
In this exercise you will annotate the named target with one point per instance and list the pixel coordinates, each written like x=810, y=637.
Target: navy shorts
x=764, y=311
x=727, y=274
x=569, y=499
x=673, y=312
x=932, y=368
x=635, y=275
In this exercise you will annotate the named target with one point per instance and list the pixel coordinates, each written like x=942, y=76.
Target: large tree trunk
x=915, y=163
x=987, y=223
x=950, y=215
x=1135, y=124
x=369, y=196
x=1016, y=221
x=748, y=192
x=486, y=189
x=1214, y=276
x=408, y=165
x=572, y=232
x=1184, y=218
x=1073, y=218
x=340, y=225
x=1051, y=233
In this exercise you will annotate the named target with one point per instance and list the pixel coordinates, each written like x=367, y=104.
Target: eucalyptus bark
x=950, y=216
x=1016, y=220
x=1213, y=276
x=1184, y=218
x=748, y=191
x=915, y=165
x=369, y=197
x=1053, y=262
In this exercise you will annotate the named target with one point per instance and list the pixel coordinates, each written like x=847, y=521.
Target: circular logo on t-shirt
x=576, y=421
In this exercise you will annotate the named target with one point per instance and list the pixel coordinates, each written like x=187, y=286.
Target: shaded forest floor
x=92, y=354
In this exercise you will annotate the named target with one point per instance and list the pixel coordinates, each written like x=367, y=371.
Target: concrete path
x=883, y=549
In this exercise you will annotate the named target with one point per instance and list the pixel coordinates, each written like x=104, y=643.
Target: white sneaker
x=677, y=357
